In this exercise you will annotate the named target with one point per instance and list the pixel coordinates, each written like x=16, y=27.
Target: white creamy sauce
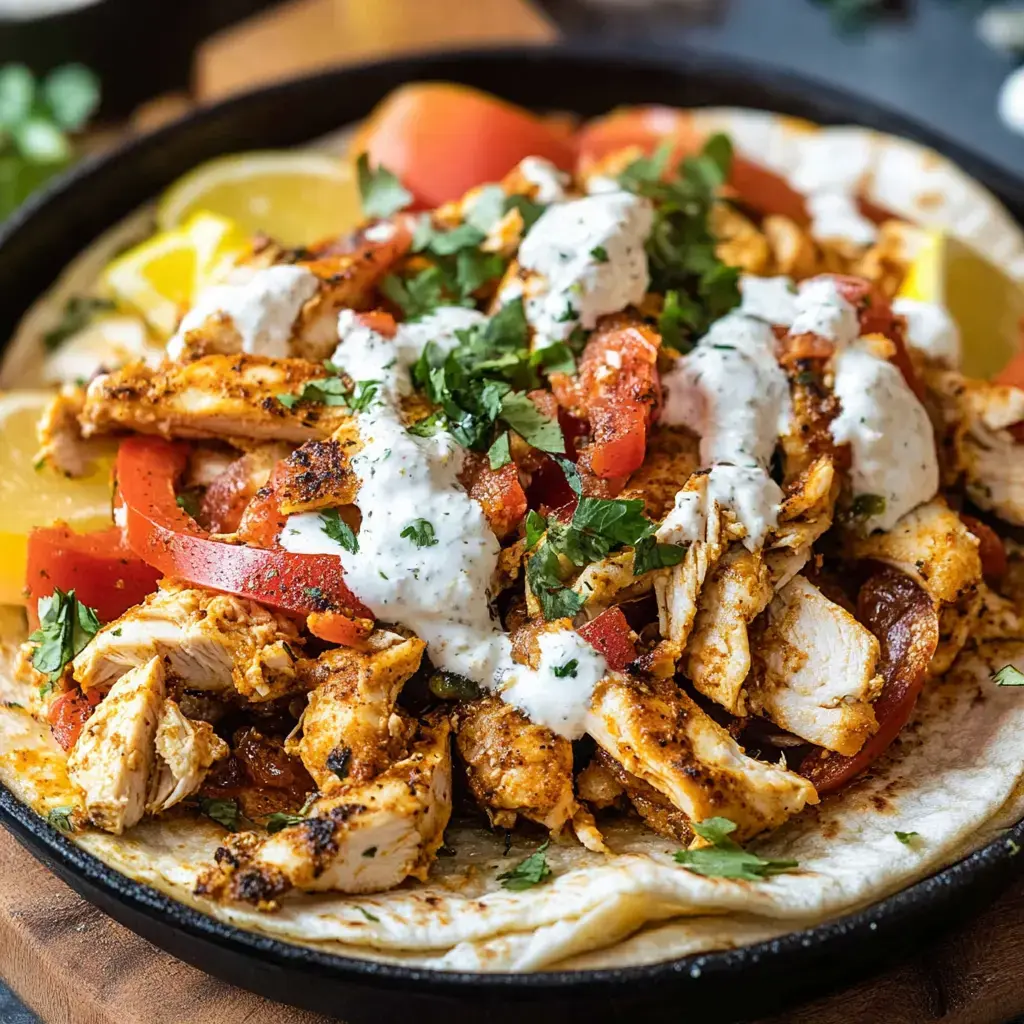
x=1011, y=101
x=382, y=232
x=930, y=330
x=836, y=215
x=731, y=391
x=262, y=308
x=889, y=434
x=549, y=180
x=584, y=258
x=768, y=298
x=821, y=309
x=439, y=590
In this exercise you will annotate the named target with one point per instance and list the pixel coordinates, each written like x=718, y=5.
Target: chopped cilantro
x=421, y=533
x=528, y=872
x=907, y=838
x=338, y=530
x=499, y=454
x=725, y=858
x=568, y=669
x=545, y=575
x=529, y=210
x=368, y=915
x=1008, y=675
x=651, y=554
x=487, y=208
x=381, y=192
x=536, y=524
x=189, y=501
x=527, y=420
x=279, y=820
x=224, y=812
x=416, y=296
x=65, y=627
x=60, y=819
x=599, y=254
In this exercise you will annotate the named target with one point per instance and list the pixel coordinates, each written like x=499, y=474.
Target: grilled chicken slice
x=113, y=758
x=349, y=727
x=977, y=443
x=718, y=654
x=359, y=837
x=657, y=733
x=672, y=457
x=513, y=766
x=61, y=444
x=209, y=641
x=318, y=474
x=229, y=491
x=805, y=515
x=185, y=750
x=217, y=396
x=814, y=669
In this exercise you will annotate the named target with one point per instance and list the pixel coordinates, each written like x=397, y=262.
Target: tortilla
x=955, y=776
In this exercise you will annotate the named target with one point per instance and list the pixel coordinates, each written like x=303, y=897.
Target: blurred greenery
x=36, y=119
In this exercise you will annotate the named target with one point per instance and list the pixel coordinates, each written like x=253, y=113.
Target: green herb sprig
x=65, y=627
x=725, y=858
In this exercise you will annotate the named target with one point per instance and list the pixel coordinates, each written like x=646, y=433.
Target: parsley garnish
x=338, y=530
x=79, y=312
x=1008, y=676
x=416, y=296
x=535, y=428
x=907, y=838
x=546, y=577
x=368, y=915
x=599, y=254
x=380, y=191
x=698, y=287
x=189, y=502
x=528, y=210
x=536, y=524
x=568, y=669
x=651, y=554
x=499, y=454
x=421, y=533
x=60, y=819
x=279, y=820
x=224, y=812
x=725, y=858
x=333, y=391
x=65, y=627
x=528, y=872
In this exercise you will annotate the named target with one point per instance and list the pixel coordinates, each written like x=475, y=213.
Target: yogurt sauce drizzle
x=731, y=391
x=582, y=259
x=436, y=590
x=262, y=308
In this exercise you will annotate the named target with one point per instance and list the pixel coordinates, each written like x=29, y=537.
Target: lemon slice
x=38, y=497
x=296, y=197
x=160, y=277
x=986, y=303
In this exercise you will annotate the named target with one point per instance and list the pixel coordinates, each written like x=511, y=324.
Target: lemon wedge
x=986, y=303
x=38, y=497
x=160, y=277
x=296, y=197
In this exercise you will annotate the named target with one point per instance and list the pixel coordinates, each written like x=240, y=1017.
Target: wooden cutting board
x=72, y=964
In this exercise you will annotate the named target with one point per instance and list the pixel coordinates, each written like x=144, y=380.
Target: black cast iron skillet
x=46, y=234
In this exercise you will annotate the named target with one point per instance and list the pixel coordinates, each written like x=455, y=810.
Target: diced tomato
x=99, y=567
x=166, y=537
x=498, y=491
x=611, y=636
x=991, y=549
x=617, y=390
x=442, y=139
x=648, y=127
x=69, y=713
x=904, y=619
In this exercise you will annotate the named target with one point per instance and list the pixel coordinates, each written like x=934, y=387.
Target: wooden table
x=73, y=965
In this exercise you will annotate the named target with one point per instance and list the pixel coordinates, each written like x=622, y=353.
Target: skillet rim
x=889, y=918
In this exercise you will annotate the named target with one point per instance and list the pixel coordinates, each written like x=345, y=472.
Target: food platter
x=53, y=228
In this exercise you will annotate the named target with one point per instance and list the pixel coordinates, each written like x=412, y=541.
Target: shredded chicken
x=209, y=641
x=185, y=751
x=217, y=396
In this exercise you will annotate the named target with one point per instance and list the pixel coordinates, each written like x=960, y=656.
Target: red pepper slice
x=991, y=549
x=69, y=713
x=166, y=537
x=611, y=636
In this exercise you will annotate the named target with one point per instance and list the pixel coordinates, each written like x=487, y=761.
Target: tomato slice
x=611, y=636
x=99, y=567
x=617, y=390
x=166, y=537
x=991, y=549
x=69, y=713
x=904, y=619
x=443, y=139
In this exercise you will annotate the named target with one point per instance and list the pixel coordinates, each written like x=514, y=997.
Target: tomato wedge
x=616, y=389
x=69, y=713
x=99, y=567
x=904, y=619
x=991, y=549
x=611, y=636
x=442, y=139
x=167, y=538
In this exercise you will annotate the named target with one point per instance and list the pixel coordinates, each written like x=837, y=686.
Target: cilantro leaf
x=528, y=872
x=368, y=915
x=338, y=530
x=529, y=210
x=1008, y=676
x=419, y=295
x=571, y=471
x=568, y=669
x=528, y=421
x=487, y=208
x=907, y=838
x=557, y=357
x=499, y=454
x=473, y=269
x=599, y=254
x=381, y=192
x=421, y=533
x=651, y=554
x=60, y=819
x=536, y=524
x=224, y=812
x=447, y=243
x=65, y=627
x=279, y=820
x=725, y=858
x=333, y=391
x=544, y=574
